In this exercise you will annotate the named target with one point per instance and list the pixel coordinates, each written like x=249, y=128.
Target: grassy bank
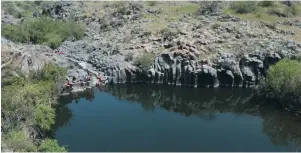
x=28, y=112
x=283, y=85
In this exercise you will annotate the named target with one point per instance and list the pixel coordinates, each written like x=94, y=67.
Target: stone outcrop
x=181, y=66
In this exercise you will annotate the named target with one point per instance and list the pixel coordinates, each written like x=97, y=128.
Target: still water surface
x=164, y=118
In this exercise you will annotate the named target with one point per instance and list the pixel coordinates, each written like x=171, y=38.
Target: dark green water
x=164, y=118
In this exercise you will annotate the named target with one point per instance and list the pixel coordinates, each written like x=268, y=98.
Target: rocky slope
x=196, y=50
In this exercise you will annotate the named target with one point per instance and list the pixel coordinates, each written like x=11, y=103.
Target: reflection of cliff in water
x=64, y=113
x=281, y=127
x=187, y=101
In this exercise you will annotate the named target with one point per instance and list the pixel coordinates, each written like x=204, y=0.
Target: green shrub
x=144, y=61
x=215, y=26
x=283, y=83
x=244, y=6
x=48, y=72
x=50, y=145
x=44, y=116
x=27, y=107
x=208, y=7
x=43, y=31
x=19, y=142
x=169, y=34
x=277, y=11
x=266, y=3
x=292, y=10
x=152, y=3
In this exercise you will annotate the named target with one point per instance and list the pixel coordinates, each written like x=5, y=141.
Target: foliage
x=50, y=145
x=19, y=142
x=277, y=11
x=292, y=10
x=27, y=106
x=144, y=61
x=266, y=3
x=208, y=7
x=152, y=3
x=43, y=31
x=129, y=56
x=49, y=72
x=169, y=34
x=283, y=83
x=215, y=26
x=244, y=6
x=44, y=116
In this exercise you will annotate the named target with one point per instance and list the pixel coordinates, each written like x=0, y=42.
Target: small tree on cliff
x=283, y=84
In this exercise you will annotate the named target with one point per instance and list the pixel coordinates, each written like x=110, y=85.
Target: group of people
x=83, y=79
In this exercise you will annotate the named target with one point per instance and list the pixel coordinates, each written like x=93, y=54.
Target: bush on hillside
x=43, y=31
x=244, y=6
x=144, y=61
x=208, y=7
x=277, y=11
x=266, y=3
x=27, y=107
x=50, y=145
x=129, y=56
x=19, y=142
x=152, y=3
x=292, y=10
x=169, y=34
x=283, y=84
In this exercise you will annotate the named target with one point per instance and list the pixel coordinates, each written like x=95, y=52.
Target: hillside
x=224, y=43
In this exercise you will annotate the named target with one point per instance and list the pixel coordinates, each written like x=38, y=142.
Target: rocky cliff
x=181, y=65
x=206, y=49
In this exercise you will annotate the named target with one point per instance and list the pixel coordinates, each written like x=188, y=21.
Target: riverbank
x=28, y=110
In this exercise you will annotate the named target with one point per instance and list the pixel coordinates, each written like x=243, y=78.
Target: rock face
x=23, y=58
x=181, y=66
x=63, y=10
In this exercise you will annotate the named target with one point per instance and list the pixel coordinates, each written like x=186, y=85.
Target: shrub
x=169, y=34
x=208, y=7
x=48, y=72
x=215, y=26
x=292, y=10
x=27, y=107
x=266, y=3
x=277, y=11
x=152, y=3
x=50, y=145
x=19, y=142
x=44, y=116
x=129, y=57
x=283, y=84
x=144, y=61
x=43, y=31
x=244, y=6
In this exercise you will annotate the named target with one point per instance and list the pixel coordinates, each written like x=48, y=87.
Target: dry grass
x=171, y=12
x=155, y=26
x=297, y=36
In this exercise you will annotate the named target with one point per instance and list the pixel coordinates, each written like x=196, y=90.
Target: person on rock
x=87, y=77
x=84, y=78
x=67, y=83
x=98, y=79
x=74, y=79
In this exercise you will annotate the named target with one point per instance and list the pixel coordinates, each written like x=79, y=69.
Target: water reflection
x=281, y=127
x=187, y=101
x=63, y=113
